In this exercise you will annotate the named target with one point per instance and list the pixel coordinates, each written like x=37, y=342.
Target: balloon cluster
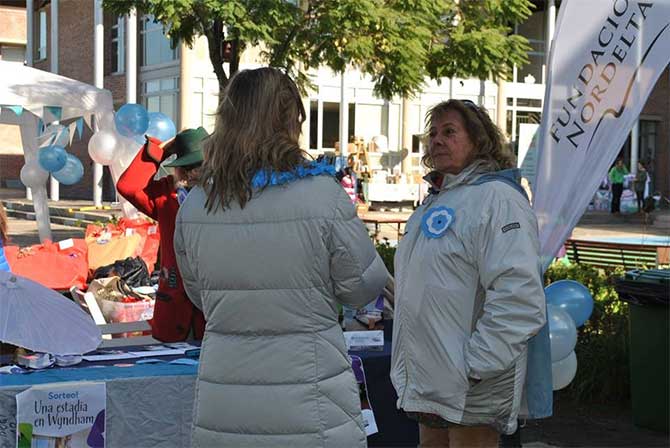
x=121, y=137
x=116, y=142
x=569, y=306
x=53, y=158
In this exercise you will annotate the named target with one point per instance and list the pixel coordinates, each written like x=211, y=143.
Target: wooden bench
x=604, y=255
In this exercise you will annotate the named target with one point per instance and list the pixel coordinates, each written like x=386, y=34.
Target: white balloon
x=33, y=176
x=564, y=371
x=103, y=147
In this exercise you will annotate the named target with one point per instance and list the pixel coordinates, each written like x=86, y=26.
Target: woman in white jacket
x=469, y=289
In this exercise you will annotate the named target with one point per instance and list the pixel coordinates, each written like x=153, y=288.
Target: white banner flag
x=606, y=57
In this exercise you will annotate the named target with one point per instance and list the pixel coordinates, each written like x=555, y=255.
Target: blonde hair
x=488, y=141
x=3, y=224
x=258, y=124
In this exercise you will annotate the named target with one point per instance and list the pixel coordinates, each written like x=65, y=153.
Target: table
x=379, y=218
x=150, y=405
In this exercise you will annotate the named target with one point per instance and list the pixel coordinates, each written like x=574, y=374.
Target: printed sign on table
x=366, y=407
x=54, y=416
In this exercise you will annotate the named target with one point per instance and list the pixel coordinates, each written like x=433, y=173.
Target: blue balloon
x=572, y=297
x=131, y=120
x=71, y=173
x=562, y=333
x=161, y=127
x=52, y=158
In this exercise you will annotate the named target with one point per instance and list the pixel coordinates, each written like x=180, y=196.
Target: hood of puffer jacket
x=469, y=295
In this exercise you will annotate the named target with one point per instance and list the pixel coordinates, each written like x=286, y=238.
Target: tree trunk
x=234, y=57
x=215, y=38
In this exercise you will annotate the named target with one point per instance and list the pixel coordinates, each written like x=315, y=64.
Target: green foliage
x=387, y=253
x=397, y=42
x=602, y=345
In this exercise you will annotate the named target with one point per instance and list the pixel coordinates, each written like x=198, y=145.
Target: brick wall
x=12, y=25
x=76, y=61
x=10, y=169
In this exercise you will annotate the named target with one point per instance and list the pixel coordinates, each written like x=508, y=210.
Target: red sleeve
x=136, y=184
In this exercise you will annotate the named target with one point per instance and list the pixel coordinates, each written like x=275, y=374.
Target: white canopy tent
x=28, y=95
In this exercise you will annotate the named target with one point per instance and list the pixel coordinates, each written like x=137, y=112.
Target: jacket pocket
x=440, y=370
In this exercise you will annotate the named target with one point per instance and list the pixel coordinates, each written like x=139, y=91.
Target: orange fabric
x=116, y=246
x=38, y=263
x=148, y=230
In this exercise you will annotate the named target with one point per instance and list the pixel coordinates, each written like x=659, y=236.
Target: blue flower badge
x=436, y=221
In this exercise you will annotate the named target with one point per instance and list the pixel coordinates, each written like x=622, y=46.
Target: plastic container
x=648, y=293
x=115, y=312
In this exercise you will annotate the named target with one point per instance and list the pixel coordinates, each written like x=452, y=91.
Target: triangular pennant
x=80, y=127
x=53, y=113
x=72, y=128
x=18, y=110
x=87, y=119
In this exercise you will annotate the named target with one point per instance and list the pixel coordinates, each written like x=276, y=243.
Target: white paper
x=369, y=422
x=110, y=355
x=364, y=339
x=66, y=244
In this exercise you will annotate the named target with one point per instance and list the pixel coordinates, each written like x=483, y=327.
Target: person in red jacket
x=175, y=316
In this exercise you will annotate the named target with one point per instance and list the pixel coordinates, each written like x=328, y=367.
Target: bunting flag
x=52, y=113
x=72, y=127
x=18, y=110
x=87, y=119
x=80, y=127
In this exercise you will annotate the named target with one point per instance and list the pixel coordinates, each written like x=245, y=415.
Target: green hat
x=188, y=147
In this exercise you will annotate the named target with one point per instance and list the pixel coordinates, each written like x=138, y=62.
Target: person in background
x=348, y=182
x=639, y=185
x=4, y=265
x=175, y=318
x=268, y=245
x=616, y=176
x=468, y=291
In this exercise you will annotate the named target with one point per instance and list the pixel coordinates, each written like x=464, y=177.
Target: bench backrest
x=603, y=254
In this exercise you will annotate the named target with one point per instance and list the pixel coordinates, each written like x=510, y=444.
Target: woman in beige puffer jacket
x=267, y=248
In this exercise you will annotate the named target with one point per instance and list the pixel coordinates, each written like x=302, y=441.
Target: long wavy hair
x=489, y=143
x=258, y=124
x=3, y=224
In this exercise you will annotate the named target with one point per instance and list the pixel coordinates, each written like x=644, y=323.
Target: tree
x=397, y=42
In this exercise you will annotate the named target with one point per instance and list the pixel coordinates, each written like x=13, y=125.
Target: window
x=42, y=36
x=533, y=30
x=118, y=46
x=155, y=44
x=161, y=95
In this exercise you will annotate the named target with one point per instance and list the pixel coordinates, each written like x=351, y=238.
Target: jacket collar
x=441, y=182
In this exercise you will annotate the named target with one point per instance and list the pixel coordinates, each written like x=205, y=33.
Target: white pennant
x=73, y=129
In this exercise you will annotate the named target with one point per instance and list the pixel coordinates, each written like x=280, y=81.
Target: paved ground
x=24, y=233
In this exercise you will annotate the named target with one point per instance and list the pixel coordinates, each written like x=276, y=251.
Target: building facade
x=139, y=65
